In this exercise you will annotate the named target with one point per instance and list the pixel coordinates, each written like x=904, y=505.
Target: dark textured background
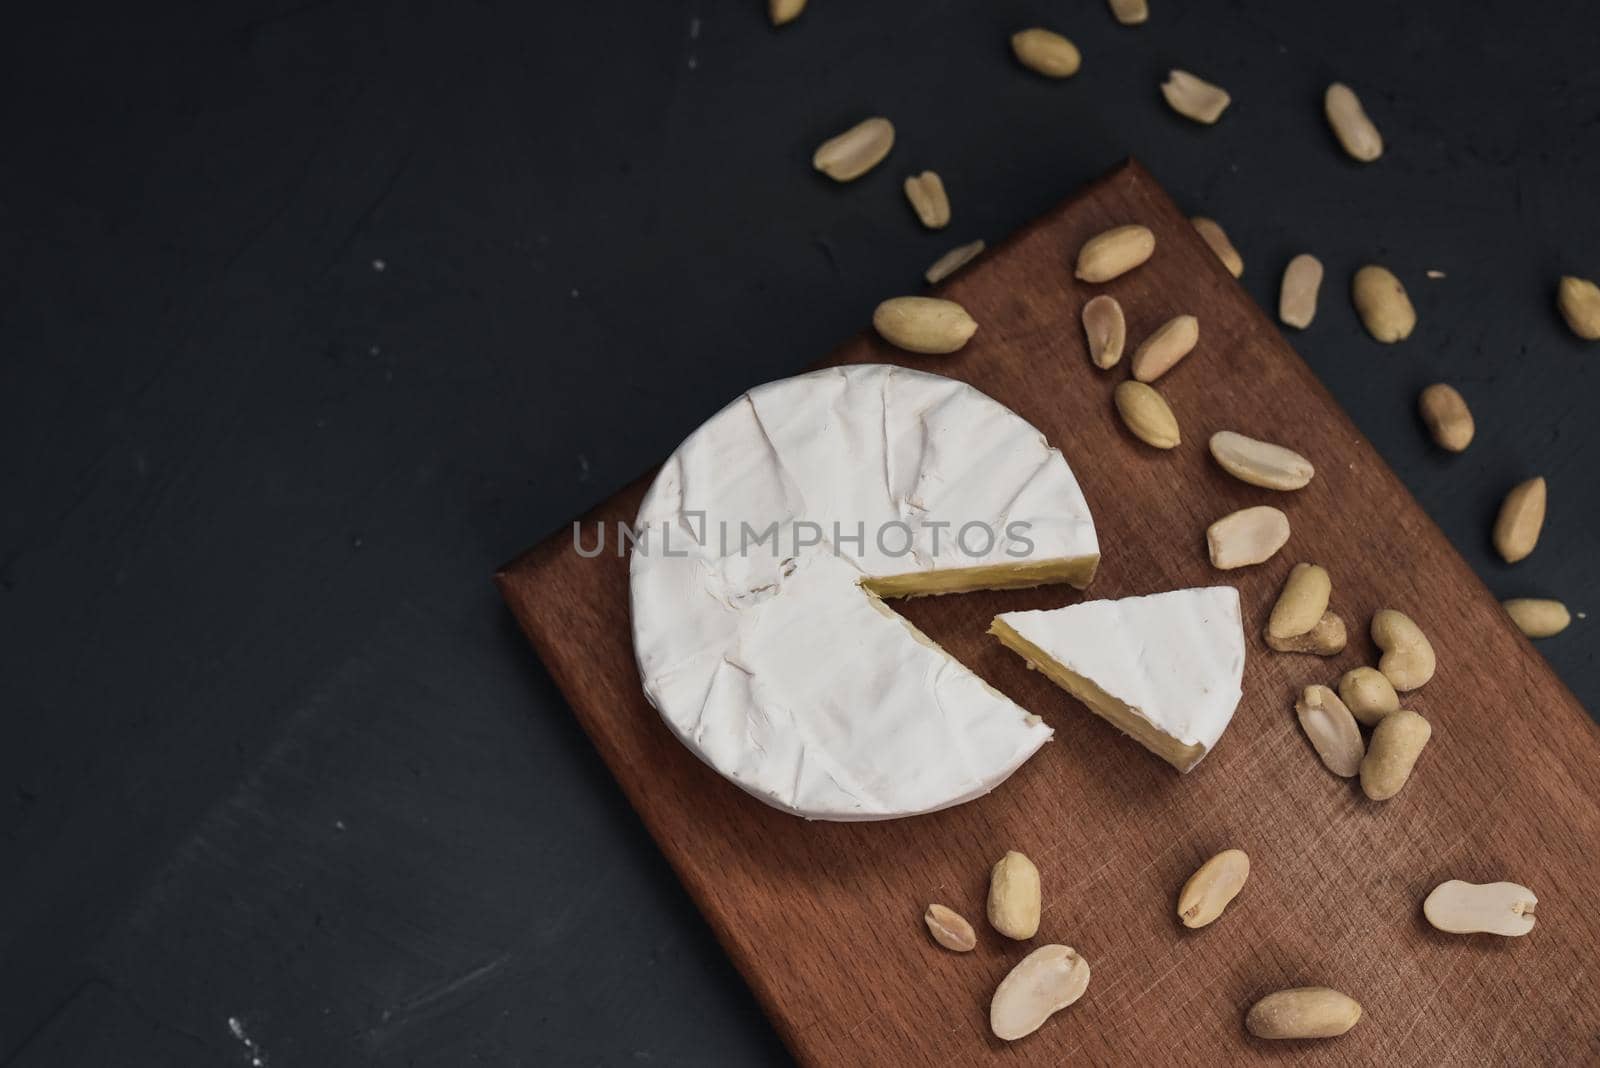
x=312, y=314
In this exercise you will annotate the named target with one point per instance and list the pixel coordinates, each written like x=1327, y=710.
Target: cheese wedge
x=1165, y=668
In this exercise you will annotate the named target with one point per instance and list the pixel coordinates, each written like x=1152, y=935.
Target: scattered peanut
x=1579, y=301
x=1381, y=301
x=856, y=151
x=1538, y=618
x=1041, y=985
x=1130, y=12
x=1396, y=744
x=1146, y=414
x=1248, y=536
x=1408, y=661
x=1304, y=1012
x=1046, y=53
x=1447, y=416
x=1014, y=896
x=952, y=261
x=1195, y=98
x=1106, y=330
x=1516, y=529
x=926, y=193
x=1303, y=601
x=1327, y=638
x=1350, y=123
x=1161, y=351
x=1297, y=296
x=1369, y=695
x=924, y=324
x=1332, y=730
x=1213, y=234
x=1212, y=887
x=1260, y=463
x=783, y=11
x=1459, y=907
x=1114, y=252
x=950, y=929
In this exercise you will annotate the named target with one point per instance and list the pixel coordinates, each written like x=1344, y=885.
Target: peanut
x=1381, y=301
x=1297, y=296
x=1041, y=985
x=1579, y=301
x=1516, y=528
x=1130, y=12
x=1408, y=661
x=1046, y=53
x=784, y=11
x=1194, y=98
x=1369, y=695
x=1458, y=907
x=1014, y=896
x=1114, y=252
x=926, y=325
x=952, y=261
x=1331, y=729
x=1106, y=330
x=1146, y=414
x=950, y=929
x=1350, y=123
x=1397, y=742
x=1260, y=463
x=1447, y=417
x=1248, y=536
x=1214, y=235
x=1212, y=887
x=856, y=151
x=1161, y=351
x=926, y=193
x=1304, y=1012
x=1327, y=638
x=1538, y=618
x=1303, y=601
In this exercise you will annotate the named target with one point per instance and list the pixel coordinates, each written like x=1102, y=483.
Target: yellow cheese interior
x=1125, y=718
x=1075, y=571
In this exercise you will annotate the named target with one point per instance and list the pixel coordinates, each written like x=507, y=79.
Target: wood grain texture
x=824, y=920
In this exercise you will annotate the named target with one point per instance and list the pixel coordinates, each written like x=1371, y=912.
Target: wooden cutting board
x=824, y=920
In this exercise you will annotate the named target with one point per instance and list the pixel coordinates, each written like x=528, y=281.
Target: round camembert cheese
x=762, y=551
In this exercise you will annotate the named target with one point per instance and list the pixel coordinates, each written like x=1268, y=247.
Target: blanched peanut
x=1014, y=898
x=1408, y=661
x=1303, y=601
x=1212, y=887
x=1304, y=1012
x=1396, y=744
x=1369, y=694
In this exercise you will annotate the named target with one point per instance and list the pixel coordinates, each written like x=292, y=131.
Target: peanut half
x=1130, y=12
x=1303, y=601
x=1327, y=638
x=1350, y=123
x=1397, y=742
x=1014, y=896
x=1114, y=252
x=1106, y=330
x=1408, y=661
x=1260, y=463
x=1447, y=417
x=1161, y=351
x=926, y=193
x=1537, y=617
x=1214, y=235
x=1303, y=1012
x=1047, y=53
x=1369, y=695
x=856, y=151
x=1212, y=887
x=784, y=11
x=1146, y=414
x=1516, y=528
x=1041, y=985
x=1382, y=303
x=1248, y=536
x=1579, y=301
x=1332, y=730
x=1297, y=296
x=1195, y=98
x=952, y=261
x=1458, y=907
x=924, y=324
x=950, y=929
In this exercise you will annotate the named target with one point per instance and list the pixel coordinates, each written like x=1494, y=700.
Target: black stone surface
x=311, y=314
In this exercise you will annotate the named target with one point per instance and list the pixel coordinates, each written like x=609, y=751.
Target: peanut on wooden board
x=1408, y=661
x=1106, y=330
x=1260, y=463
x=1579, y=301
x=1215, y=236
x=927, y=325
x=1327, y=638
x=1212, y=887
x=952, y=261
x=1014, y=898
x=1303, y=601
x=1046, y=52
x=1369, y=694
x=1146, y=414
x=1195, y=98
x=784, y=11
x=1458, y=907
x=1351, y=126
x=1297, y=296
x=1447, y=417
x=1161, y=351
x=926, y=193
x=856, y=151
x=1130, y=12
x=1041, y=985
x=950, y=929
x=1382, y=303
x=1248, y=536
x=1332, y=730
x=1521, y=518
x=1397, y=742
x=1538, y=617
x=1115, y=252
x=1303, y=1012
